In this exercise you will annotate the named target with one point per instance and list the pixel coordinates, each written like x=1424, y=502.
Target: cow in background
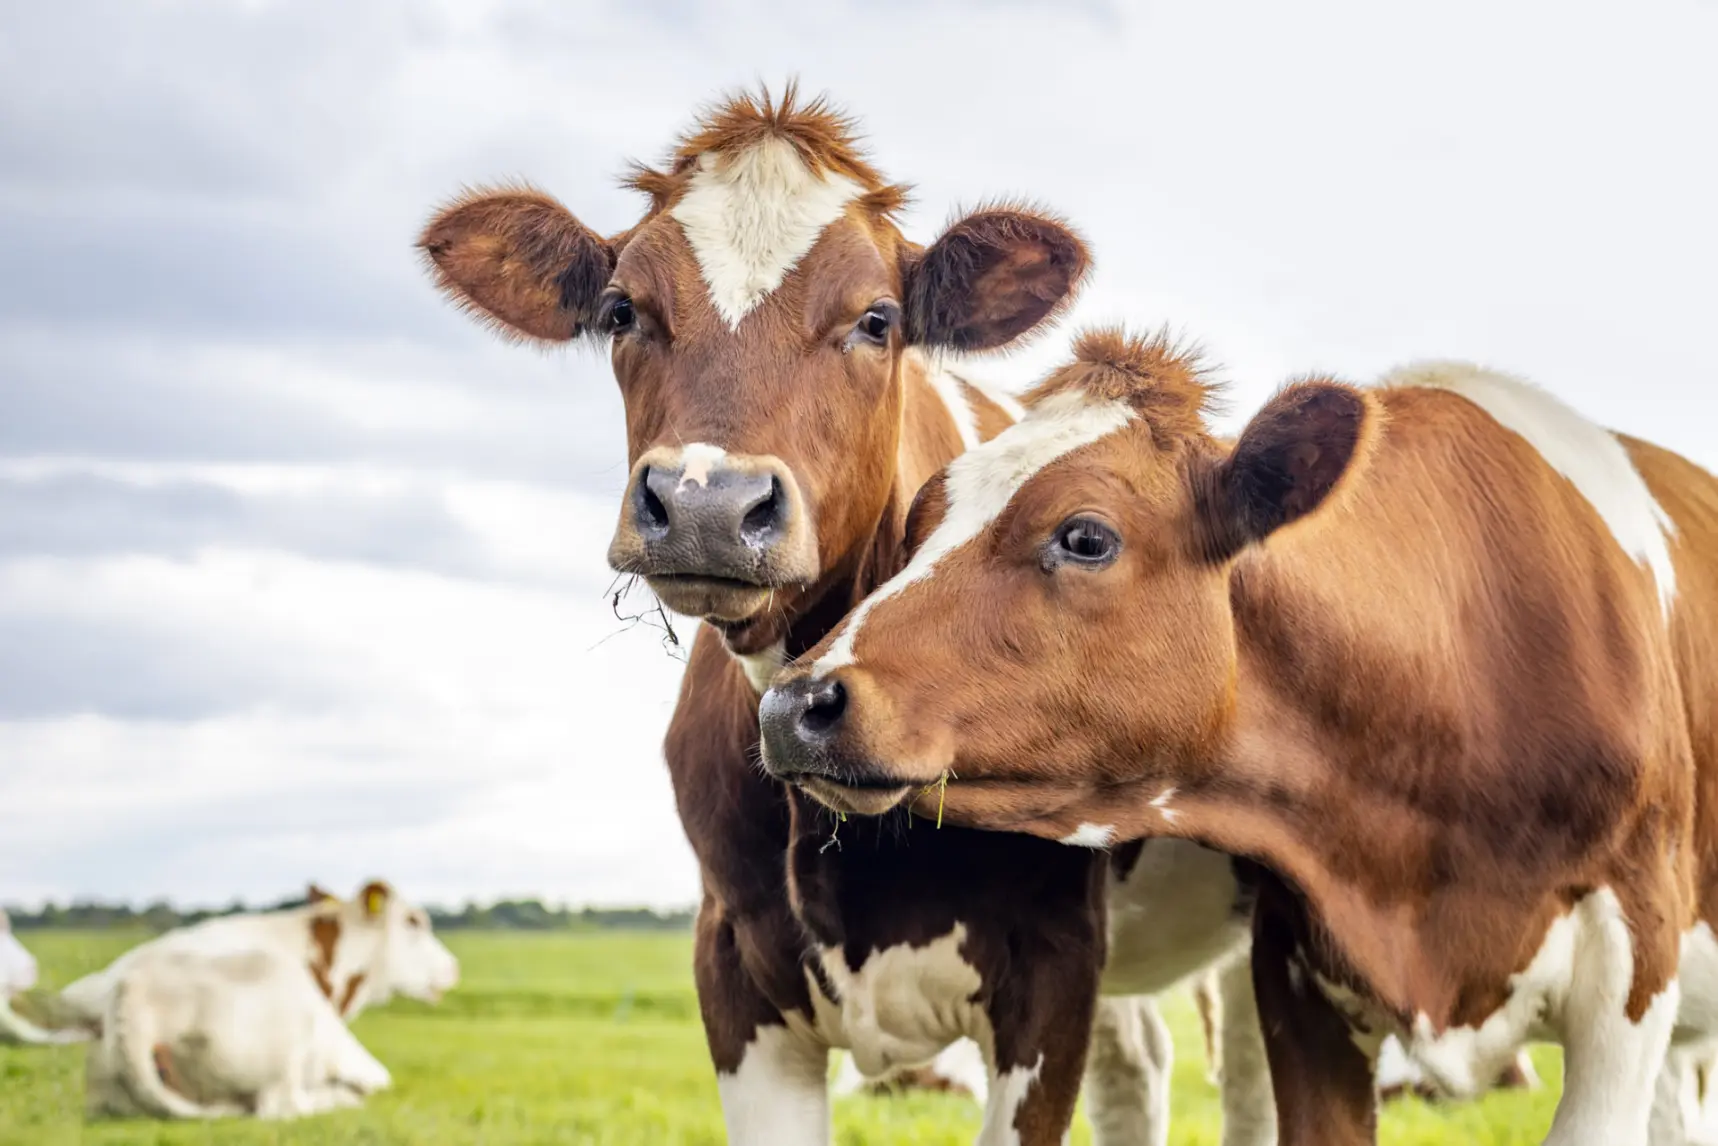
x=18, y=974
x=247, y=1014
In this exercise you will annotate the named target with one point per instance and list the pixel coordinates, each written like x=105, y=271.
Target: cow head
x=758, y=320
x=1063, y=627
x=17, y=966
x=376, y=946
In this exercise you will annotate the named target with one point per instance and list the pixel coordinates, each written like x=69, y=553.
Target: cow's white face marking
x=1591, y=457
x=751, y=216
x=1000, y=1113
x=979, y=486
x=17, y=966
x=696, y=459
x=760, y=668
x=780, y=1093
x=1090, y=836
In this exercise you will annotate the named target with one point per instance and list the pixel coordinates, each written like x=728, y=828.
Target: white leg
x=780, y=1094
x=1008, y=1091
x=1127, y=1073
x=1675, y=1102
x=1611, y=1063
x=285, y=1101
x=1249, y=1105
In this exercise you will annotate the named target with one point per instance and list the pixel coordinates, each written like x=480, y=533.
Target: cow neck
x=336, y=961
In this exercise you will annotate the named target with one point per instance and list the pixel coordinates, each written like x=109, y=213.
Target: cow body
x=772, y=334
x=192, y=1034
x=1456, y=708
x=232, y=1015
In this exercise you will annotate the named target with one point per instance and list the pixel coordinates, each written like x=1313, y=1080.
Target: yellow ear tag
x=374, y=901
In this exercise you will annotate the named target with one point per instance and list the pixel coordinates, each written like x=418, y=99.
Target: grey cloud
x=89, y=515
x=136, y=668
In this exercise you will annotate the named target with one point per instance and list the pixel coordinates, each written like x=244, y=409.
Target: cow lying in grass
x=1438, y=656
x=247, y=1014
x=17, y=975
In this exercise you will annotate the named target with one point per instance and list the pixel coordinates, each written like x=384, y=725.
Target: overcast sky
x=301, y=573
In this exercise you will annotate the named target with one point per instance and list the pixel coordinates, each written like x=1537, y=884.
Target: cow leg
x=1321, y=1081
x=1041, y=1018
x=1127, y=1073
x=1612, y=1065
x=1249, y=1109
x=772, y=1079
x=1675, y=1102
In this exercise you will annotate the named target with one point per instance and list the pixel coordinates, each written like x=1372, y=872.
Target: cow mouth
x=723, y=600
x=857, y=797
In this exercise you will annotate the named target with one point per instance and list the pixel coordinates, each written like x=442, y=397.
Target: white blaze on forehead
x=979, y=486
x=1590, y=456
x=752, y=215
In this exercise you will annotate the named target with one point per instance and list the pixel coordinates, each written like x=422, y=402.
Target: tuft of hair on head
x=1166, y=382
x=826, y=139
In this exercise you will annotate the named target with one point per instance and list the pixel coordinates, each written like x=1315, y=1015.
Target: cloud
x=301, y=572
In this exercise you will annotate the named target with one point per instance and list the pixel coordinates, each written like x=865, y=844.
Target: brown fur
x=1379, y=646
x=858, y=427
x=324, y=937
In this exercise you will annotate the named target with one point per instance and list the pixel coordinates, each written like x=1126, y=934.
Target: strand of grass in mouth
x=942, y=793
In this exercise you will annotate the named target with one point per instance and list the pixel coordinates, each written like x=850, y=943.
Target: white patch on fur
x=948, y=388
x=760, y=668
x=980, y=484
x=1161, y=803
x=696, y=459
x=1090, y=836
x=1012, y=1087
x=904, y=1004
x=1591, y=457
x=1005, y=401
x=1173, y=916
x=751, y=216
x=1574, y=991
x=779, y=1096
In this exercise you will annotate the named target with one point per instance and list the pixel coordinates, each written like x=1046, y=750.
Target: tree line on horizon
x=503, y=915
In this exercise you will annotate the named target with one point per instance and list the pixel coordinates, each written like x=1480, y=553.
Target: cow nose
x=719, y=513
x=798, y=719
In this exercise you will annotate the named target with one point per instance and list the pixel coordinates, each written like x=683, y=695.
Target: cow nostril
x=652, y=513
x=824, y=708
x=764, y=517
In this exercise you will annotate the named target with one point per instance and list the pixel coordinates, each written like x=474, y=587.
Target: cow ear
x=519, y=259
x=992, y=277
x=1288, y=460
x=374, y=897
x=318, y=894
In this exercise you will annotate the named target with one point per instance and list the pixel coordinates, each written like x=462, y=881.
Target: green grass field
x=594, y=1038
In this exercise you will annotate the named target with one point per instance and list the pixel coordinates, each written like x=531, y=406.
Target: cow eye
x=621, y=315
x=1084, y=541
x=874, y=325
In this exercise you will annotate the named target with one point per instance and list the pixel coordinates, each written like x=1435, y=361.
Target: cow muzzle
x=714, y=534
x=810, y=740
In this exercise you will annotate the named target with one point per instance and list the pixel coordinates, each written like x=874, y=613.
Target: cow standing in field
x=1440, y=656
x=17, y=975
x=774, y=338
x=223, y=1010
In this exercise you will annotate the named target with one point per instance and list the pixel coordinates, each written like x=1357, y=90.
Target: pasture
x=594, y=1038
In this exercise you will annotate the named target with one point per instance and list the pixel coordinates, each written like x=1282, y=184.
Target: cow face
x=1064, y=625
x=409, y=960
x=759, y=320
x=17, y=966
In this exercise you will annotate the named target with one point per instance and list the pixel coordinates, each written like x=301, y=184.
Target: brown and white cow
x=771, y=331
x=1440, y=656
